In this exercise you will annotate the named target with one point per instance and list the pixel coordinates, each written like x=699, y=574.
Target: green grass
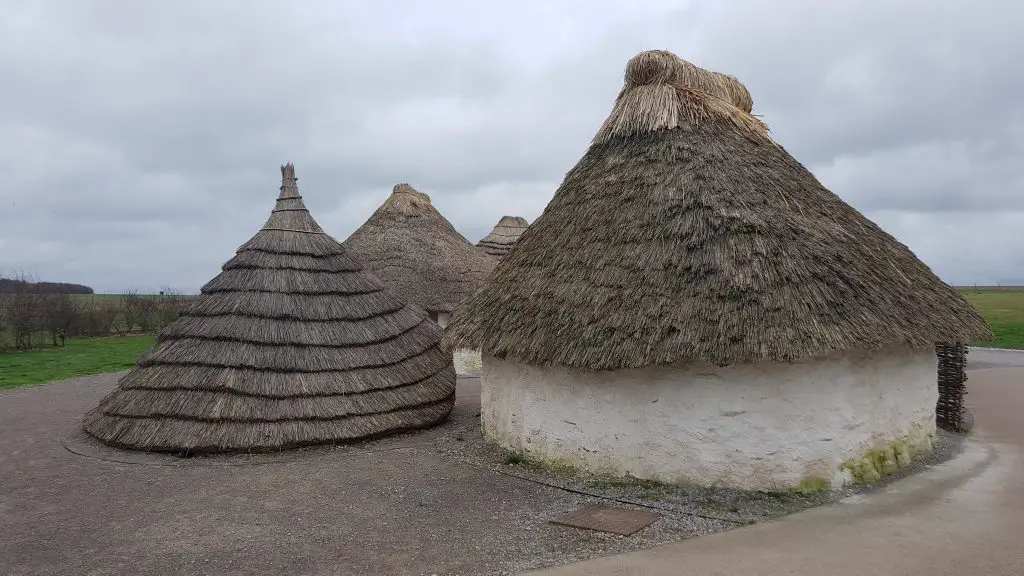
x=80, y=357
x=1004, y=310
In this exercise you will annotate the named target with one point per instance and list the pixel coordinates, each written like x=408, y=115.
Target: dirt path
x=394, y=506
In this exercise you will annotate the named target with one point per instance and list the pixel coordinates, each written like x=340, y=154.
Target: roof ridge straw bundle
x=685, y=234
x=417, y=252
x=291, y=344
x=504, y=236
x=663, y=91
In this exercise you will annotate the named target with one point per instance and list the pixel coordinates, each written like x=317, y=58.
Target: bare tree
x=148, y=308
x=60, y=315
x=171, y=304
x=23, y=311
x=99, y=318
x=3, y=318
x=131, y=310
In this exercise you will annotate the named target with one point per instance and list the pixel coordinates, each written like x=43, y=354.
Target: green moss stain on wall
x=881, y=462
x=873, y=466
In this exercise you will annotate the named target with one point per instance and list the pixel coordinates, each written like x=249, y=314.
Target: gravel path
x=437, y=502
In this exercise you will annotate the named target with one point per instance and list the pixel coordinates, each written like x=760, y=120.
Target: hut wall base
x=763, y=427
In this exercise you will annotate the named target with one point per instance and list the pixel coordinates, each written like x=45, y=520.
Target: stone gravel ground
x=436, y=502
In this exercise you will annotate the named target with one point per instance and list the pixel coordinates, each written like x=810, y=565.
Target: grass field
x=81, y=357
x=1004, y=310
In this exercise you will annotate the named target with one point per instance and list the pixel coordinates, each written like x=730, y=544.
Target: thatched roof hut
x=504, y=236
x=291, y=344
x=688, y=262
x=409, y=245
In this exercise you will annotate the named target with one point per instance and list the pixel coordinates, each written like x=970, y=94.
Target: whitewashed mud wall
x=467, y=362
x=762, y=427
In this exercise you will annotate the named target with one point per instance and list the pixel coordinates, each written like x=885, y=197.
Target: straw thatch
x=663, y=91
x=291, y=344
x=504, y=236
x=700, y=239
x=409, y=245
x=655, y=67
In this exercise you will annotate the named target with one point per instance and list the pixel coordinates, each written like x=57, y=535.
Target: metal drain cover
x=603, y=518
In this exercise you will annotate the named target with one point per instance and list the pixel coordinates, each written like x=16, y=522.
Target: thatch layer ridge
x=288, y=384
x=417, y=253
x=290, y=355
x=302, y=332
x=702, y=243
x=313, y=307
x=271, y=260
x=171, y=435
x=293, y=281
x=293, y=343
x=213, y=406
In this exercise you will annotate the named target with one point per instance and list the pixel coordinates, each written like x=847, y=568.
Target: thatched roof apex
x=654, y=67
x=504, y=236
x=291, y=344
x=662, y=91
x=407, y=200
x=683, y=234
x=512, y=222
x=417, y=252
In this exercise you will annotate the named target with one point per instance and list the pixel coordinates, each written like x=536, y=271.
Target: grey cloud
x=146, y=136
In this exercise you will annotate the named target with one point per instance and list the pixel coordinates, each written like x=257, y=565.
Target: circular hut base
x=814, y=424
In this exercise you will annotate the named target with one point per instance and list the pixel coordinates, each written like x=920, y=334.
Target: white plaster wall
x=761, y=426
x=467, y=362
x=442, y=318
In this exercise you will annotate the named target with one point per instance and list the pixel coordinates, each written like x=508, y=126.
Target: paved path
x=962, y=518
x=981, y=358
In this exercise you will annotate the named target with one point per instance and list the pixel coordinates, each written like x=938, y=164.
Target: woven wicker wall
x=949, y=412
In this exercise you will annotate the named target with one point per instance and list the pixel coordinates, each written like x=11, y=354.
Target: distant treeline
x=19, y=286
x=34, y=314
x=31, y=320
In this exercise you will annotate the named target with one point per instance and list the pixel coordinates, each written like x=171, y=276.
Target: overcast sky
x=141, y=140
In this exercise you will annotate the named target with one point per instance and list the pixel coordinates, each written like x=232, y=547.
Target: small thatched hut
x=291, y=344
x=694, y=306
x=409, y=245
x=504, y=236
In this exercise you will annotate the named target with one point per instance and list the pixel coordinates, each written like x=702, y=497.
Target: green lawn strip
x=1004, y=311
x=1009, y=335
x=80, y=357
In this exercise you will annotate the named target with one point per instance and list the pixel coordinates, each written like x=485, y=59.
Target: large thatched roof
x=685, y=233
x=409, y=245
x=291, y=344
x=504, y=236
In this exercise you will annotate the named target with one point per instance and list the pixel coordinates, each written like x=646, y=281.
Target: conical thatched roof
x=409, y=245
x=291, y=344
x=685, y=233
x=504, y=236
